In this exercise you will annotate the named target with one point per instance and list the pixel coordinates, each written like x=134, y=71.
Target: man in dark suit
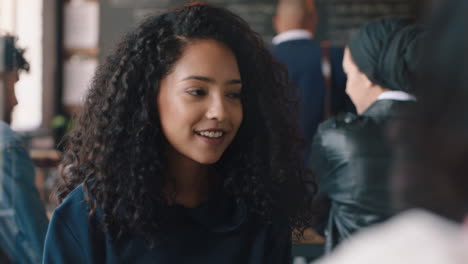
x=294, y=46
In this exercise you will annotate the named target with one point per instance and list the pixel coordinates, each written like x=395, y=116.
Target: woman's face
x=199, y=102
x=358, y=85
x=9, y=80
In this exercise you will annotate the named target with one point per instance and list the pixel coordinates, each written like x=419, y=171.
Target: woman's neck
x=189, y=181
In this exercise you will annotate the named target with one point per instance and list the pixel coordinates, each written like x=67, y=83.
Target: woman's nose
x=217, y=109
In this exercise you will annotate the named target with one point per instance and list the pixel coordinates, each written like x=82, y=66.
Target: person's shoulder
x=7, y=136
x=4, y=128
x=73, y=235
x=74, y=206
x=341, y=122
x=342, y=130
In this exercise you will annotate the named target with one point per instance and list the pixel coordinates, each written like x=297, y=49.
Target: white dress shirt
x=396, y=95
x=293, y=34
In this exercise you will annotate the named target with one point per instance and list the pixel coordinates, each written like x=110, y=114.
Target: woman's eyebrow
x=210, y=80
x=235, y=81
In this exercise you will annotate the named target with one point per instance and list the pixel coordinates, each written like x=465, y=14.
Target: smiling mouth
x=211, y=134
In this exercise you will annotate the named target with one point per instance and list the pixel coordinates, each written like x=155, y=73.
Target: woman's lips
x=212, y=137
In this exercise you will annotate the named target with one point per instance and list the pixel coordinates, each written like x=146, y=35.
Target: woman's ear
x=367, y=83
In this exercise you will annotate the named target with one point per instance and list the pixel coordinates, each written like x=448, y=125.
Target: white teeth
x=211, y=134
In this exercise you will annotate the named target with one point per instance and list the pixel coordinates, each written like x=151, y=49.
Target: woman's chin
x=208, y=161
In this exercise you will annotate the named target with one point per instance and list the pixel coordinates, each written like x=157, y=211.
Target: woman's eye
x=196, y=92
x=234, y=95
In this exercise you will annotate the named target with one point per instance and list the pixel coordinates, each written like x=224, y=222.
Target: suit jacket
x=302, y=58
x=352, y=158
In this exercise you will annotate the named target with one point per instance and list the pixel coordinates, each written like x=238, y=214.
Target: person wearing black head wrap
x=385, y=52
x=350, y=153
x=436, y=184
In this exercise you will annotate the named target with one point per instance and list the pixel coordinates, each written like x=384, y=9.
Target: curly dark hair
x=116, y=149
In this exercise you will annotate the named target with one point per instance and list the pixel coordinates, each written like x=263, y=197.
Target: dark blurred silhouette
x=432, y=163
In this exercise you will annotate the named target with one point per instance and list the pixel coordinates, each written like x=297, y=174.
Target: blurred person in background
x=350, y=153
x=295, y=22
x=429, y=179
x=23, y=221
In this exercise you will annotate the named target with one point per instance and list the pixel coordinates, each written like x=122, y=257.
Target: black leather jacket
x=352, y=159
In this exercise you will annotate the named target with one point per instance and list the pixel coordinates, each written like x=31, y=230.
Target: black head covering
x=386, y=52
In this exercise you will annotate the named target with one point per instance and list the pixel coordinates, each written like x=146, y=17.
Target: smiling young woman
x=200, y=111
x=187, y=151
